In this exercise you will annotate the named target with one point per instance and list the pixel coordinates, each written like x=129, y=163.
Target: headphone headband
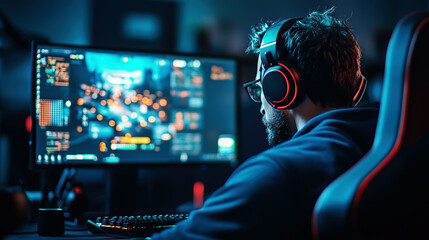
x=268, y=48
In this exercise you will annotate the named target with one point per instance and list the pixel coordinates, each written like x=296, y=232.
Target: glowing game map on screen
x=104, y=106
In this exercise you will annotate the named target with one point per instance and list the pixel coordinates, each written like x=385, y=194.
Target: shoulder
x=331, y=141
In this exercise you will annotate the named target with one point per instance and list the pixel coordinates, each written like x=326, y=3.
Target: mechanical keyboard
x=134, y=226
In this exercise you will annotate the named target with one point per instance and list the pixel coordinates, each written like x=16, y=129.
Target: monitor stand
x=121, y=190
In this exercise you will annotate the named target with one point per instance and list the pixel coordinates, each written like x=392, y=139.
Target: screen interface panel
x=102, y=106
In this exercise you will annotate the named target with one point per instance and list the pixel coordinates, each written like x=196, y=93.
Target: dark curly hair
x=324, y=51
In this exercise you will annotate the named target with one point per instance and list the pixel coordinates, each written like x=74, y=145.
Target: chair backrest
x=383, y=196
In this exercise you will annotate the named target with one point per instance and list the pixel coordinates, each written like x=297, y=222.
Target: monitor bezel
x=32, y=142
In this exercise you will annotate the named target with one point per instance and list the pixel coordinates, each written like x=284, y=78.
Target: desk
x=29, y=231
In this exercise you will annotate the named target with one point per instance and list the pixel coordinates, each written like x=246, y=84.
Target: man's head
x=323, y=50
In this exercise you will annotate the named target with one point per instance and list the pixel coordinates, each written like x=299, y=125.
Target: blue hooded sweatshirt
x=272, y=195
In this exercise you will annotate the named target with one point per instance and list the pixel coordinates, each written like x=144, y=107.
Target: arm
x=235, y=210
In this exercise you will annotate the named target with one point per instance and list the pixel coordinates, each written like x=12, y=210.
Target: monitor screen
x=94, y=106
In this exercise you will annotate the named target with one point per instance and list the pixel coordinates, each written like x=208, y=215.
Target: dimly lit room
x=213, y=119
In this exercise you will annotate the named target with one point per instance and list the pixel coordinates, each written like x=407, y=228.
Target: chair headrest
x=403, y=114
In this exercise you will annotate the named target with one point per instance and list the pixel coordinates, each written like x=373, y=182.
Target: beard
x=281, y=127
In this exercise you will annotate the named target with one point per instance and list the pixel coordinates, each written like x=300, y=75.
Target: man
x=315, y=132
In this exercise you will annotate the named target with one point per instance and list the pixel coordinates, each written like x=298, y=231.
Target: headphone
x=281, y=83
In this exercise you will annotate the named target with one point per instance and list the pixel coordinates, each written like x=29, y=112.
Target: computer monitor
x=108, y=107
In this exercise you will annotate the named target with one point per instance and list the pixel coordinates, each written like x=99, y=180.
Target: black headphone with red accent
x=281, y=83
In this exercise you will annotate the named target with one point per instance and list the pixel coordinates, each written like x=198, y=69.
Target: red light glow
x=77, y=190
x=198, y=194
x=28, y=124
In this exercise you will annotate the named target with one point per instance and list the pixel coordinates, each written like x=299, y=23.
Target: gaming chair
x=385, y=194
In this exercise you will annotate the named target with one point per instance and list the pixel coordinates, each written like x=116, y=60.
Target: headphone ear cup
x=275, y=85
x=281, y=87
x=360, y=91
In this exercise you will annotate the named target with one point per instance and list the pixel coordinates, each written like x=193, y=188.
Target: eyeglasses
x=254, y=90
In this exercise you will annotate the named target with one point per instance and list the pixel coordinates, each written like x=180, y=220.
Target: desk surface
x=30, y=232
